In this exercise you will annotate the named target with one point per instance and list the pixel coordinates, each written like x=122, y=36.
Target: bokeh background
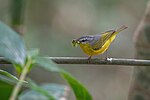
x=50, y=25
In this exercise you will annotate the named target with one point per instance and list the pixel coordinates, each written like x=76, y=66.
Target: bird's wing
x=99, y=40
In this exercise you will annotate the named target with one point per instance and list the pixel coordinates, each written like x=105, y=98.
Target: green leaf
x=79, y=90
x=5, y=90
x=6, y=85
x=12, y=46
x=2, y=72
x=9, y=78
x=47, y=64
x=35, y=87
x=58, y=90
x=43, y=92
x=18, y=68
x=33, y=53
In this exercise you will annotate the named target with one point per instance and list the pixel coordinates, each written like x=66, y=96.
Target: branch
x=96, y=61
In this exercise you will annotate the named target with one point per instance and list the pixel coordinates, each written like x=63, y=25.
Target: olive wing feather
x=99, y=40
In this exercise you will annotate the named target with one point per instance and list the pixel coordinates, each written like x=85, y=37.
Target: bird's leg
x=89, y=58
x=106, y=54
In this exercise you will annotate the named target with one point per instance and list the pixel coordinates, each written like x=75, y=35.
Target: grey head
x=85, y=39
x=88, y=39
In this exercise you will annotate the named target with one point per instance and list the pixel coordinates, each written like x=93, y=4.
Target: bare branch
x=96, y=61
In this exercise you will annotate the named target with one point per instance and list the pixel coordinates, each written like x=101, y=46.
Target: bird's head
x=82, y=40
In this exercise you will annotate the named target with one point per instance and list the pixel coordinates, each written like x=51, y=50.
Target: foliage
x=43, y=92
x=12, y=47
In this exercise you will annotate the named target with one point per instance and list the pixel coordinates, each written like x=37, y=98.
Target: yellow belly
x=91, y=52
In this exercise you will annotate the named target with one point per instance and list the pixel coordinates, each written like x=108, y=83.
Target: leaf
x=79, y=90
x=57, y=90
x=47, y=64
x=18, y=68
x=2, y=72
x=33, y=53
x=5, y=90
x=12, y=46
x=9, y=78
x=6, y=85
x=35, y=87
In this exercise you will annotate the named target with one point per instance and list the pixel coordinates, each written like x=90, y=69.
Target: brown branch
x=95, y=61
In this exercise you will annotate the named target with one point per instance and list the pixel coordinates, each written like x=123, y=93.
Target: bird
x=97, y=44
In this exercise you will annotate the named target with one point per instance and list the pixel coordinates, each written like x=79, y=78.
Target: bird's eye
x=83, y=40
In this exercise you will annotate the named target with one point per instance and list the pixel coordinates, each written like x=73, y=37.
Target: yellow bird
x=97, y=44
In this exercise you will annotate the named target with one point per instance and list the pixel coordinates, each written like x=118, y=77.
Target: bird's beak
x=78, y=42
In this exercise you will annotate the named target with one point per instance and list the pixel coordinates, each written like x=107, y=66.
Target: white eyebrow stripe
x=85, y=38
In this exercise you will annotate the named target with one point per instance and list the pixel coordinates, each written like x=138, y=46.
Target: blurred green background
x=50, y=25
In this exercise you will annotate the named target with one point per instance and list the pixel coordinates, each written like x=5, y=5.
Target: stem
x=21, y=79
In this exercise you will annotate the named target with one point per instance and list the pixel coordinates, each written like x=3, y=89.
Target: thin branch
x=96, y=61
x=20, y=83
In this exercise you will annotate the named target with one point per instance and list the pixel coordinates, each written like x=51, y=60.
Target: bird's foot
x=89, y=59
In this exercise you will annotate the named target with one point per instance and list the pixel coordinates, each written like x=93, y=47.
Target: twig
x=21, y=79
x=96, y=61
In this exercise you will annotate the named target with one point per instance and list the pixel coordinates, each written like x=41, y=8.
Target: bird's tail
x=121, y=28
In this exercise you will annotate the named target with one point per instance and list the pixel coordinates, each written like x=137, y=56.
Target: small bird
x=97, y=44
